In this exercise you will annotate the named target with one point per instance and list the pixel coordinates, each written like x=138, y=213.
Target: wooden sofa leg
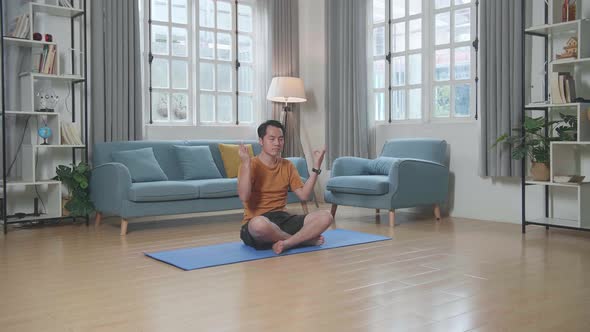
x=123, y=227
x=391, y=218
x=333, y=210
x=98, y=219
x=437, y=212
x=304, y=207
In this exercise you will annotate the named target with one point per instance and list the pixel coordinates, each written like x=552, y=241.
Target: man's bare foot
x=318, y=241
x=278, y=247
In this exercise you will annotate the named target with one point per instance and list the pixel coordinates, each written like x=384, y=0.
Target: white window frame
x=194, y=92
x=452, y=46
x=428, y=50
x=169, y=57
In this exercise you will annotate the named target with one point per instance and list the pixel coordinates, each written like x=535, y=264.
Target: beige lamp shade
x=286, y=90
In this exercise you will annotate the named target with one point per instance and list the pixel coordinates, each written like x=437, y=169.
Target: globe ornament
x=44, y=133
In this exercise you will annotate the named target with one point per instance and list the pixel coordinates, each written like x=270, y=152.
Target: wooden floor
x=456, y=275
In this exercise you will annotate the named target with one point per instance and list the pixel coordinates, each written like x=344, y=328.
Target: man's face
x=273, y=141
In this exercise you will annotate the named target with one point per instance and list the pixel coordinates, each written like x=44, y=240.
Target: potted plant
x=535, y=144
x=76, y=180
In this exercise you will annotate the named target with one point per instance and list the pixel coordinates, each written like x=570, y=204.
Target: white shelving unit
x=567, y=157
x=38, y=160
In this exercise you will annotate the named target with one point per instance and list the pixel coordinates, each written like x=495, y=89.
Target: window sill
x=469, y=120
x=185, y=125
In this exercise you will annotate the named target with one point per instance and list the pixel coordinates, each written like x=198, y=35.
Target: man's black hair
x=274, y=123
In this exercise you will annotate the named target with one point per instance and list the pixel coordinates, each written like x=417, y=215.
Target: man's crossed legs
x=283, y=231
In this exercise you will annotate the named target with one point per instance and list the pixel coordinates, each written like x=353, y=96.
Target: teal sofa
x=114, y=193
x=408, y=173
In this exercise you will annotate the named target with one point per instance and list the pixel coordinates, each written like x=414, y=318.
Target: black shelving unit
x=79, y=18
x=542, y=108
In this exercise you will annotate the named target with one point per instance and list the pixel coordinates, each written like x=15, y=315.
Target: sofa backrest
x=418, y=148
x=165, y=153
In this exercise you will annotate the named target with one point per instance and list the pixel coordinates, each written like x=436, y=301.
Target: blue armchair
x=409, y=173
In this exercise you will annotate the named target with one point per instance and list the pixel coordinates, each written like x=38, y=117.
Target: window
x=422, y=59
x=194, y=72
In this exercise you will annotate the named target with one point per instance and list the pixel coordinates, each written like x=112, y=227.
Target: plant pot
x=540, y=172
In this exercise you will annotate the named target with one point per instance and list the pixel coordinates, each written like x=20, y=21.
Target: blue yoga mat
x=235, y=252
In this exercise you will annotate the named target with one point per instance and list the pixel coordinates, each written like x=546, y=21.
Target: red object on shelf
x=37, y=36
x=564, y=9
x=48, y=37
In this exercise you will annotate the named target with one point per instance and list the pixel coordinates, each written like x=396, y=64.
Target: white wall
x=472, y=196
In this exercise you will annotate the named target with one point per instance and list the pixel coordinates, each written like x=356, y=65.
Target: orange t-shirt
x=270, y=186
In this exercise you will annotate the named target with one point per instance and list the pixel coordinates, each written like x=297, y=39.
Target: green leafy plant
x=534, y=143
x=76, y=179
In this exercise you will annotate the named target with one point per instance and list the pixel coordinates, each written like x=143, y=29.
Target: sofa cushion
x=196, y=162
x=216, y=188
x=381, y=165
x=231, y=158
x=162, y=191
x=359, y=184
x=142, y=164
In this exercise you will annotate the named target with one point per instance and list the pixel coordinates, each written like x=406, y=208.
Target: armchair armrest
x=416, y=181
x=109, y=185
x=301, y=166
x=344, y=166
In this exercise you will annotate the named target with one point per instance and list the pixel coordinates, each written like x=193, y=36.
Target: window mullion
x=196, y=59
x=235, y=41
x=452, y=63
x=387, y=105
x=428, y=63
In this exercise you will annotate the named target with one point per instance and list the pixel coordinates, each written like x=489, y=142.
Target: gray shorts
x=288, y=223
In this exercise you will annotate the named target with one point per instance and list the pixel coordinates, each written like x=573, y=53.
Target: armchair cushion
x=359, y=184
x=142, y=164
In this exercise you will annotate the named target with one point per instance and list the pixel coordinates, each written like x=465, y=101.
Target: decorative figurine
x=570, y=49
x=47, y=100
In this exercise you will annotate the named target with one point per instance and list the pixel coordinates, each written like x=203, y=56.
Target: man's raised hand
x=318, y=156
x=244, y=153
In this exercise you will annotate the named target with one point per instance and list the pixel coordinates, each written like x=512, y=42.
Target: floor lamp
x=286, y=90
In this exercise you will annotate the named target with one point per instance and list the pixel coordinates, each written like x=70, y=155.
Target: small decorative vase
x=540, y=171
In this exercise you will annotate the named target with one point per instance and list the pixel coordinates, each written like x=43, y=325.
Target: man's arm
x=304, y=193
x=244, y=181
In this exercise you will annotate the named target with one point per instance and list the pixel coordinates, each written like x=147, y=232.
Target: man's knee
x=259, y=226
x=324, y=217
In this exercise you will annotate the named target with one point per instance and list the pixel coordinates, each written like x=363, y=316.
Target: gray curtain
x=284, y=43
x=501, y=83
x=116, y=105
x=347, y=123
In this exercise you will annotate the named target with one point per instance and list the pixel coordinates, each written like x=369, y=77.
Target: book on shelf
x=70, y=135
x=43, y=61
x=563, y=87
x=65, y=3
x=20, y=27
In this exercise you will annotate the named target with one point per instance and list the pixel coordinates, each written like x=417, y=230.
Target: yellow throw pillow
x=231, y=158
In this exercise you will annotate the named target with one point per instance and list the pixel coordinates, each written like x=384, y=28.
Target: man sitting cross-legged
x=263, y=185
